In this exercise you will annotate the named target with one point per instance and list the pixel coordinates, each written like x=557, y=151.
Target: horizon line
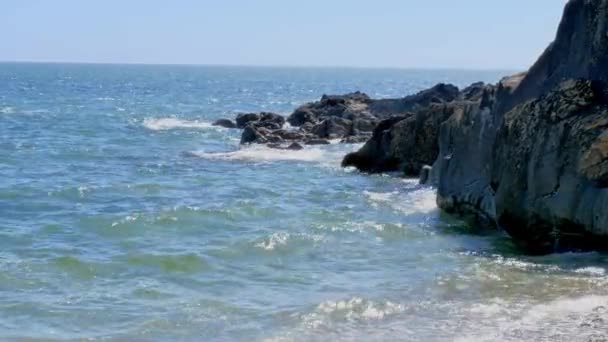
x=420, y=68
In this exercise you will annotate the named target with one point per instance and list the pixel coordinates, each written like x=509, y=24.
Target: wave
x=282, y=239
x=354, y=309
x=7, y=110
x=163, y=124
x=279, y=238
x=422, y=200
x=265, y=154
x=566, y=319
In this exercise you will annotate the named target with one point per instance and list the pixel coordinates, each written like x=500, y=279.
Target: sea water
x=126, y=216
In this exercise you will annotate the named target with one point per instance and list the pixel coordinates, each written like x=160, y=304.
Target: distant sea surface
x=126, y=216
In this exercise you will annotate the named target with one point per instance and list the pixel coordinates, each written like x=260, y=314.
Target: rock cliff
x=532, y=158
x=529, y=154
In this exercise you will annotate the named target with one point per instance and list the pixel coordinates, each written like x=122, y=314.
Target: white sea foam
x=162, y=124
x=379, y=197
x=279, y=239
x=566, y=319
x=408, y=202
x=274, y=240
x=354, y=309
x=265, y=154
x=7, y=110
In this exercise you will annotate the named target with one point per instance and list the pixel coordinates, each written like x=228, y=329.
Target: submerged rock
x=226, y=123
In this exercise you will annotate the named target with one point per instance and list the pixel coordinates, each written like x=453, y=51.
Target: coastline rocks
x=408, y=142
x=580, y=51
x=226, y=123
x=351, y=118
x=348, y=105
x=253, y=134
x=333, y=128
x=462, y=171
x=244, y=118
x=532, y=157
x=373, y=157
x=550, y=168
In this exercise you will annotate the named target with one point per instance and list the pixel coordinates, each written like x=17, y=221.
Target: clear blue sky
x=479, y=34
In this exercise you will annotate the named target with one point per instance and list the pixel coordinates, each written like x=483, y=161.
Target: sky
x=463, y=34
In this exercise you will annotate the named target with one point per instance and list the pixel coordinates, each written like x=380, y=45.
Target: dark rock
x=474, y=92
x=317, y=142
x=277, y=119
x=226, y=123
x=295, y=146
x=333, y=128
x=440, y=93
x=532, y=157
x=579, y=51
x=407, y=143
x=332, y=100
x=425, y=175
x=373, y=156
x=462, y=168
x=301, y=116
x=290, y=135
x=363, y=126
x=267, y=124
x=253, y=134
x=355, y=139
x=349, y=105
x=307, y=127
x=550, y=168
x=244, y=118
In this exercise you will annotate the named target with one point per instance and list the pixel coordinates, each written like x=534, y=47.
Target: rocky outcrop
x=580, y=51
x=462, y=170
x=374, y=156
x=529, y=154
x=351, y=118
x=407, y=143
x=532, y=157
x=349, y=106
x=550, y=168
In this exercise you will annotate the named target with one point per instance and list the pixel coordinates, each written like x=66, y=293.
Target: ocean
x=126, y=216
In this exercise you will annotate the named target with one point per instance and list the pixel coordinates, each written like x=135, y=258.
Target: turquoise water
x=125, y=216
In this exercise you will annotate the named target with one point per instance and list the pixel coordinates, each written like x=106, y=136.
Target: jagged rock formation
x=462, y=170
x=351, y=118
x=408, y=142
x=550, y=168
x=529, y=154
x=532, y=158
